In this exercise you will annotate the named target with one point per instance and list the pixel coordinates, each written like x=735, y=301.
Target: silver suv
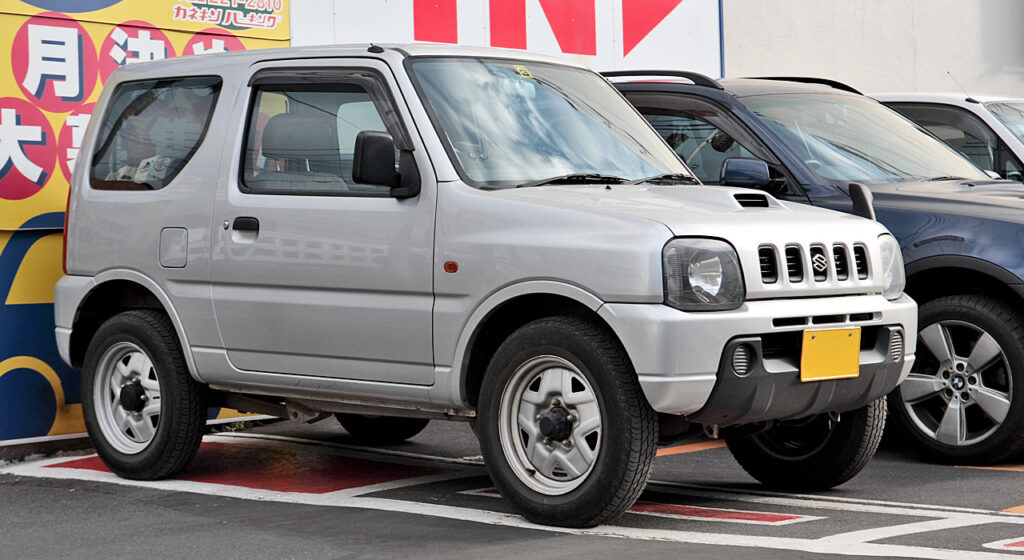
x=403, y=233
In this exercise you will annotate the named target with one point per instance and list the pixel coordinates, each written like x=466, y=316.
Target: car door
x=313, y=273
x=965, y=133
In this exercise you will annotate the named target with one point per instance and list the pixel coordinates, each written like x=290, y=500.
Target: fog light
x=742, y=357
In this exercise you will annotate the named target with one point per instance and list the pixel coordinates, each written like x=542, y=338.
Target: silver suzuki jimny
x=393, y=234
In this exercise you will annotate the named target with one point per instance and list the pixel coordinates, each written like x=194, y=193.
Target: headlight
x=894, y=278
x=702, y=275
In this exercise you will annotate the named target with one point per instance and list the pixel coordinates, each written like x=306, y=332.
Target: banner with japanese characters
x=55, y=56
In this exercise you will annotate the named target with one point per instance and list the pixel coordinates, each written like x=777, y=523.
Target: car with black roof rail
x=811, y=140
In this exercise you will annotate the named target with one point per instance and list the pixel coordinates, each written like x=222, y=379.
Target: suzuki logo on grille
x=819, y=262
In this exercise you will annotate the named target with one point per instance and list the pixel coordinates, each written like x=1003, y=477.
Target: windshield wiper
x=665, y=177
x=946, y=178
x=575, y=178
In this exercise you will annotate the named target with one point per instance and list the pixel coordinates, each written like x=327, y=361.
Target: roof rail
x=808, y=80
x=696, y=78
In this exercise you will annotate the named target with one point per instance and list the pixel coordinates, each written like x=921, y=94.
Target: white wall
x=687, y=37
x=880, y=45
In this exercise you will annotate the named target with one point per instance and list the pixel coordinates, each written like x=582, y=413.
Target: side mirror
x=373, y=162
x=745, y=172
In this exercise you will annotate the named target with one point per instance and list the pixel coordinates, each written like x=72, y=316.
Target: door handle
x=246, y=223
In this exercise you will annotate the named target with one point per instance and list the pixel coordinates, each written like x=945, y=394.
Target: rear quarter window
x=150, y=130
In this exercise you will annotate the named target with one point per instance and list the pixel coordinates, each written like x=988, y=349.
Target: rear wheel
x=381, y=430
x=565, y=430
x=816, y=453
x=964, y=399
x=143, y=410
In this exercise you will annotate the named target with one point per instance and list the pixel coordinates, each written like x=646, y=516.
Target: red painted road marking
x=670, y=510
x=1015, y=509
x=1015, y=544
x=1012, y=468
x=279, y=470
x=691, y=447
x=691, y=512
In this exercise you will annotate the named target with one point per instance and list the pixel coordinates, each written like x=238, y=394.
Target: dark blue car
x=961, y=232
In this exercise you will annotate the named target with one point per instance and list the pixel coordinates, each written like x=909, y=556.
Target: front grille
x=860, y=259
x=794, y=264
x=769, y=266
x=815, y=263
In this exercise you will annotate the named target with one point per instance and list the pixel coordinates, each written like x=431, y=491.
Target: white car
x=989, y=129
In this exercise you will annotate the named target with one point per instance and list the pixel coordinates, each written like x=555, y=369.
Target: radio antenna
x=967, y=96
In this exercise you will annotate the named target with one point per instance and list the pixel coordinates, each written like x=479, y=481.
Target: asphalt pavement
x=287, y=490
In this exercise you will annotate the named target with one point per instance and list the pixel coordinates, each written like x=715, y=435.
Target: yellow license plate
x=830, y=354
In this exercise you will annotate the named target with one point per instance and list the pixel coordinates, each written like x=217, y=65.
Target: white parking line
x=843, y=544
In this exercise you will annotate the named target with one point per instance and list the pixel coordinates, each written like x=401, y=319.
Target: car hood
x=709, y=211
x=751, y=221
x=1001, y=200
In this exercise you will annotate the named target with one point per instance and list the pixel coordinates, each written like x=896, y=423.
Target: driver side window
x=703, y=146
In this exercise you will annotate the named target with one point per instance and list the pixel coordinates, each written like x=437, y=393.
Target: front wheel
x=565, y=430
x=143, y=410
x=816, y=453
x=964, y=400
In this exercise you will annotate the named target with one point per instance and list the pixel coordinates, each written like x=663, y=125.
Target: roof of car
x=389, y=51
x=957, y=98
x=741, y=87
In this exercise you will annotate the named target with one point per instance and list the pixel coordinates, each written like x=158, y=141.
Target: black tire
x=381, y=430
x=608, y=466
x=124, y=343
x=814, y=454
x=919, y=406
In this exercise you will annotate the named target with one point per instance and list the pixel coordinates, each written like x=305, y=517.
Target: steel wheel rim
x=795, y=441
x=538, y=387
x=128, y=431
x=959, y=391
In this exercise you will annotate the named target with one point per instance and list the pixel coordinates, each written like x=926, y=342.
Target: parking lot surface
x=288, y=490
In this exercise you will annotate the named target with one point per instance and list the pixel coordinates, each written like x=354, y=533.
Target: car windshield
x=847, y=138
x=516, y=123
x=1010, y=114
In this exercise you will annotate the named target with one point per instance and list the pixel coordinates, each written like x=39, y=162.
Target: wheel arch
x=945, y=275
x=504, y=312
x=113, y=293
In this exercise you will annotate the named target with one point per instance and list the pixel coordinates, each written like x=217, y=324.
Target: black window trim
x=156, y=81
x=322, y=78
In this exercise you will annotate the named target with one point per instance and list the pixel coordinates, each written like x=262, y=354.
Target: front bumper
x=681, y=358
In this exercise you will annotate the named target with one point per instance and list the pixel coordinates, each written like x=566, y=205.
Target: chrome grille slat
x=794, y=264
x=814, y=264
x=860, y=258
x=769, y=265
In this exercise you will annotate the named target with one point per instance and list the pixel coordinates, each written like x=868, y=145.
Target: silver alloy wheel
x=548, y=396
x=126, y=397
x=958, y=395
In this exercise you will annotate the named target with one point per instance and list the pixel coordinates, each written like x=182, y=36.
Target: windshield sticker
x=522, y=71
